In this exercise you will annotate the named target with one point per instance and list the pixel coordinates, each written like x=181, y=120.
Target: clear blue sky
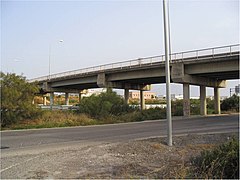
x=100, y=32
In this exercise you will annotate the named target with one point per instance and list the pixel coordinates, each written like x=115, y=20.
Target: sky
x=101, y=32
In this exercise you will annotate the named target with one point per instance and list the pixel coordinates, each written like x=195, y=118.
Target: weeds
x=50, y=119
x=221, y=162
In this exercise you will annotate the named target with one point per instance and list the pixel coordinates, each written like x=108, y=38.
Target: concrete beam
x=203, y=101
x=137, y=74
x=47, y=88
x=178, y=75
x=217, y=107
x=68, y=82
x=212, y=67
x=186, y=100
x=103, y=82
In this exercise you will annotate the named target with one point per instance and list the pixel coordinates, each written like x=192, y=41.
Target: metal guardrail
x=180, y=56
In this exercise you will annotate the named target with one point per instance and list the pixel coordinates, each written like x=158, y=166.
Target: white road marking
x=18, y=164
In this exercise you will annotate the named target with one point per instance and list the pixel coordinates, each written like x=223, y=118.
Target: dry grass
x=51, y=119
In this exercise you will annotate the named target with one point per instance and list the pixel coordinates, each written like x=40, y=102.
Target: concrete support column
x=142, y=100
x=186, y=100
x=51, y=98
x=79, y=97
x=44, y=100
x=203, y=101
x=126, y=95
x=217, y=107
x=66, y=98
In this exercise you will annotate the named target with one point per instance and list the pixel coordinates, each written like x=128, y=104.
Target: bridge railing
x=180, y=56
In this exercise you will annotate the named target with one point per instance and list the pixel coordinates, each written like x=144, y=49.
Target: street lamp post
x=167, y=70
x=49, y=60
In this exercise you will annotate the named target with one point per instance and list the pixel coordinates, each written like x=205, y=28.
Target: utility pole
x=167, y=70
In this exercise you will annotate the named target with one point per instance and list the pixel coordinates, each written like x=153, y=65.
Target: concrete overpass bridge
x=209, y=67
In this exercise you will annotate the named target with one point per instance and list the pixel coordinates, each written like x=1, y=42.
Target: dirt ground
x=147, y=158
x=143, y=158
x=152, y=158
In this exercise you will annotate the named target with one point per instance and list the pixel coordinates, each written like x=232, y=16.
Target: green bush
x=16, y=99
x=177, y=108
x=231, y=103
x=151, y=114
x=103, y=105
x=221, y=162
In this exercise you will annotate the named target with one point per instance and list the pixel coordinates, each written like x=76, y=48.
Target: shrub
x=151, y=114
x=106, y=104
x=16, y=99
x=177, y=108
x=231, y=103
x=221, y=162
x=57, y=118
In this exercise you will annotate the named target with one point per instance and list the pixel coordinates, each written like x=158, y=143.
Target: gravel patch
x=145, y=158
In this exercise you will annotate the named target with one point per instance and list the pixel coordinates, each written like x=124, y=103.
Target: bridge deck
x=188, y=57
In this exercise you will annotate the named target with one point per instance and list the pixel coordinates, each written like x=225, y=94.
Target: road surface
x=117, y=132
x=51, y=153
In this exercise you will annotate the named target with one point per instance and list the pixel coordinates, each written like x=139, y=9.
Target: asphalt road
x=75, y=152
x=19, y=140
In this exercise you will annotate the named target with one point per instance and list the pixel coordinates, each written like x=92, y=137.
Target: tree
x=16, y=99
x=105, y=104
x=231, y=103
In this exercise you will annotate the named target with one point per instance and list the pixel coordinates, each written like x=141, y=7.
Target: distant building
x=176, y=97
x=235, y=90
x=89, y=92
x=147, y=95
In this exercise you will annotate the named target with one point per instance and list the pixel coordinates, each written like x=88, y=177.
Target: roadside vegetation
x=18, y=112
x=16, y=99
x=221, y=162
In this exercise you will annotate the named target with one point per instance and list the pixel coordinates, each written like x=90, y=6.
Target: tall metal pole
x=49, y=60
x=49, y=63
x=167, y=69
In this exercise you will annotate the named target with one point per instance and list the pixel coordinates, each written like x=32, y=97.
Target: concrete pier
x=66, y=98
x=51, y=98
x=203, y=101
x=44, y=100
x=79, y=97
x=142, y=100
x=186, y=100
x=217, y=107
x=126, y=95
